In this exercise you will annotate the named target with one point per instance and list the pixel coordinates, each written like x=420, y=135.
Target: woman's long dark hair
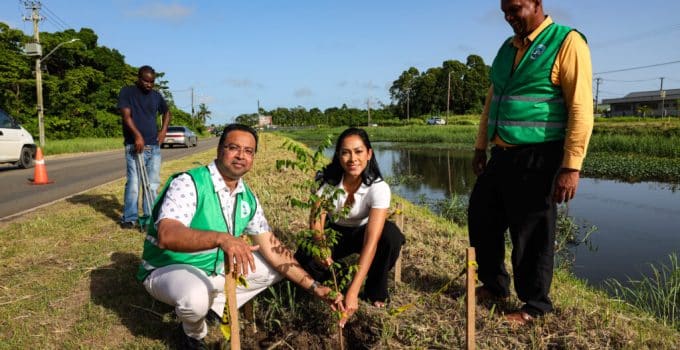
x=332, y=173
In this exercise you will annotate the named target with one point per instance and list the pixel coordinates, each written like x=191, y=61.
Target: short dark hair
x=145, y=69
x=332, y=173
x=231, y=127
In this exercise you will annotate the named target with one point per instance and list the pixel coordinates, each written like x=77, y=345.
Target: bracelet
x=313, y=287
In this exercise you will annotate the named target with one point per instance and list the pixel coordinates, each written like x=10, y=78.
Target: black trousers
x=515, y=192
x=351, y=241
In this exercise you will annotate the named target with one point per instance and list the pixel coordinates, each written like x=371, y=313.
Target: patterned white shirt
x=180, y=202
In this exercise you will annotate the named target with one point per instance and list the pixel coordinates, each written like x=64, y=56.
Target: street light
x=38, y=88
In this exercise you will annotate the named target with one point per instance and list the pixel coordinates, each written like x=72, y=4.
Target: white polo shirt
x=180, y=202
x=377, y=195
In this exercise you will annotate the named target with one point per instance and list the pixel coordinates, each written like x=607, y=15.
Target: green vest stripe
x=532, y=124
x=208, y=217
x=526, y=107
x=527, y=99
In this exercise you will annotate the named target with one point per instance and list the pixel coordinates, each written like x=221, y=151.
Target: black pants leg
x=350, y=242
x=515, y=191
x=389, y=247
x=487, y=223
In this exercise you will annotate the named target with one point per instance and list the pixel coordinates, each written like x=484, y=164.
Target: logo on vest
x=245, y=210
x=538, y=51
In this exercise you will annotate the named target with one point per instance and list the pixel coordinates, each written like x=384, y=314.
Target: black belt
x=548, y=144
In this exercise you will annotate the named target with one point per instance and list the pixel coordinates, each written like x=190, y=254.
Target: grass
x=657, y=294
x=86, y=144
x=77, y=145
x=623, y=149
x=67, y=282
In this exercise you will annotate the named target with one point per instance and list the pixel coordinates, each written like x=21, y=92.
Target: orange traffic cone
x=40, y=173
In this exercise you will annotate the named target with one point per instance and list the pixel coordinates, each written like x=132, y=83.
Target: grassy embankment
x=629, y=149
x=67, y=282
x=89, y=144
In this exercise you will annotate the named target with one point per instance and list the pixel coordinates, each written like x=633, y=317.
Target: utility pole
x=192, y=103
x=597, y=92
x=663, y=99
x=368, y=104
x=448, y=94
x=408, y=104
x=34, y=6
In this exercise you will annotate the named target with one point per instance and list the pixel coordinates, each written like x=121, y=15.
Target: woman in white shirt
x=365, y=230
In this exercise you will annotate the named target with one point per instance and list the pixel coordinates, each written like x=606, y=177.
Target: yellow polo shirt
x=573, y=72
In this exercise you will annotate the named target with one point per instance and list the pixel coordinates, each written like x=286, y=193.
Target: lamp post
x=39, y=92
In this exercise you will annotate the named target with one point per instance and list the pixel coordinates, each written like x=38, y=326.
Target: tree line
x=81, y=81
x=463, y=86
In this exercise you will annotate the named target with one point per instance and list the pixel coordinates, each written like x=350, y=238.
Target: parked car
x=436, y=121
x=16, y=144
x=180, y=135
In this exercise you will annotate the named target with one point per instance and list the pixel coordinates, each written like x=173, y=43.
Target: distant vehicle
x=16, y=144
x=180, y=135
x=436, y=121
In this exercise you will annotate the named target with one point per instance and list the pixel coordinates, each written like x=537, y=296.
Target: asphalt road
x=71, y=175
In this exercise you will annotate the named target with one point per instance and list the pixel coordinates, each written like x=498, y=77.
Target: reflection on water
x=637, y=224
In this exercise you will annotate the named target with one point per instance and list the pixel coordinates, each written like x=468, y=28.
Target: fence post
x=249, y=313
x=230, y=291
x=471, y=302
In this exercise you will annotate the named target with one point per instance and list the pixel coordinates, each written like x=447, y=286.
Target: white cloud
x=303, y=92
x=206, y=99
x=161, y=11
x=369, y=85
x=242, y=83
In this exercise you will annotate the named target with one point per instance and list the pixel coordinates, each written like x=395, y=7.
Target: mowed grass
x=67, y=282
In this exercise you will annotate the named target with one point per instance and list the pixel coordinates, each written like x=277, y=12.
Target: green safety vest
x=526, y=107
x=208, y=217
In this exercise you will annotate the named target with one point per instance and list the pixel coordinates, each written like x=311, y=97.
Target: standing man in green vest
x=198, y=218
x=539, y=117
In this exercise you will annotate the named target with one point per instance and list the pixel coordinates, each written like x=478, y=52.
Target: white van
x=16, y=144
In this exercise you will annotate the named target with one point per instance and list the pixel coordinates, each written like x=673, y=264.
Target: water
x=637, y=224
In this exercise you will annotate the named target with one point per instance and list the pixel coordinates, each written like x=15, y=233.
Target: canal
x=637, y=223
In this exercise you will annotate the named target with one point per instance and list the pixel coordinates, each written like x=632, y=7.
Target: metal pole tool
x=147, y=194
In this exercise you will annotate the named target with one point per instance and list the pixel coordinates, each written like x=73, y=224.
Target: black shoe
x=129, y=225
x=188, y=343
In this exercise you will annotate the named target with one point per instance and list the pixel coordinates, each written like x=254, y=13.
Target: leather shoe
x=519, y=318
x=189, y=343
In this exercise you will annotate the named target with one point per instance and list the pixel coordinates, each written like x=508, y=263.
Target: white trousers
x=192, y=292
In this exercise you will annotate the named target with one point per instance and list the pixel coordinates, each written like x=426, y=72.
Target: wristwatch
x=313, y=287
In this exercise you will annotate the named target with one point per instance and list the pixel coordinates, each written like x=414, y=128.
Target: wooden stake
x=249, y=312
x=471, y=285
x=400, y=224
x=230, y=291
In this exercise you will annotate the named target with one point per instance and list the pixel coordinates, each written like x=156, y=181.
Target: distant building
x=648, y=101
x=264, y=121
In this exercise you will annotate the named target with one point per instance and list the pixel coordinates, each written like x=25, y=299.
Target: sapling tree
x=318, y=245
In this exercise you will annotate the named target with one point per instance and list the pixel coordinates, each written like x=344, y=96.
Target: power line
x=630, y=81
x=56, y=20
x=639, y=67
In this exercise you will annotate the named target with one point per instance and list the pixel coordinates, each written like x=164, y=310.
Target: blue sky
x=325, y=53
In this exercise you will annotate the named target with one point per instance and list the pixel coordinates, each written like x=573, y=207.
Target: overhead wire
x=638, y=67
x=55, y=19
